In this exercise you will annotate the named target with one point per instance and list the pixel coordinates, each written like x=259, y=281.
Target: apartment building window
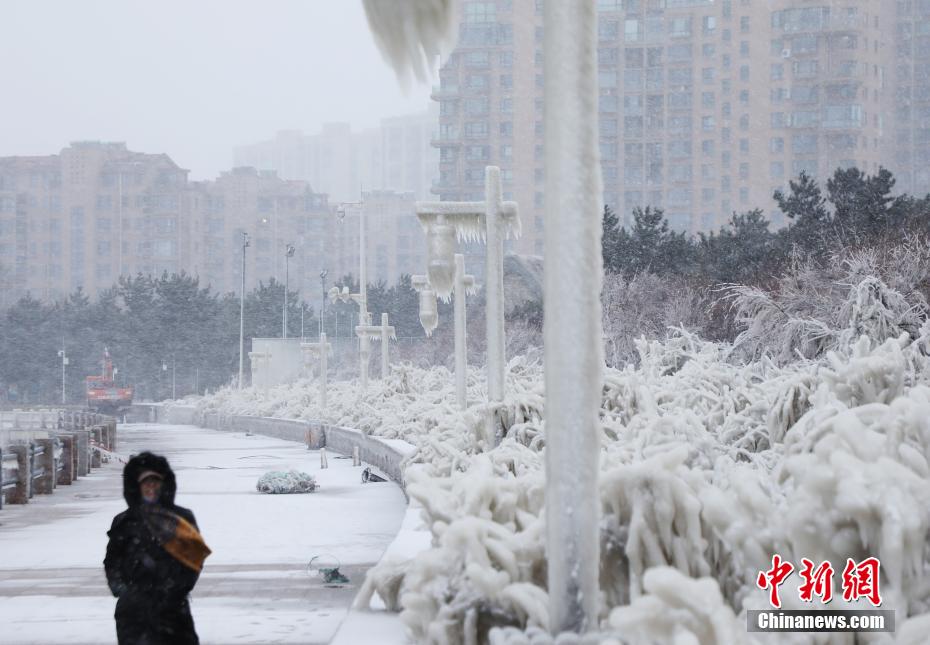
x=679, y=53
x=726, y=36
x=807, y=166
x=633, y=104
x=725, y=61
x=655, y=79
x=744, y=170
x=476, y=81
x=633, y=57
x=707, y=148
x=776, y=144
x=707, y=123
x=653, y=56
x=708, y=50
x=632, y=31
x=744, y=195
x=474, y=175
x=726, y=86
x=103, y=247
x=506, y=59
x=104, y=202
x=777, y=72
x=477, y=60
x=607, y=79
x=744, y=73
x=804, y=144
x=633, y=126
x=776, y=170
x=478, y=153
x=680, y=172
x=744, y=122
x=805, y=119
x=477, y=129
x=480, y=12
x=778, y=120
x=506, y=81
x=607, y=55
x=103, y=224
x=609, y=5
x=679, y=100
x=679, y=149
x=679, y=27
x=843, y=116
x=476, y=106
x=680, y=124
x=654, y=29
x=707, y=99
x=448, y=108
x=707, y=172
x=709, y=25
x=725, y=135
x=608, y=103
x=632, y=80
x=707, y=75
x=608, y=29
x=506, y=105
x=608, y=127
x=744, y=24
x=805, y=68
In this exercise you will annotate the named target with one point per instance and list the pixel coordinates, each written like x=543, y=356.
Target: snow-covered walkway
x=255, y=587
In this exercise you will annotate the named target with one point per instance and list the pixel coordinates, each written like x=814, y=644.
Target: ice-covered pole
x=385, y=347
x=323, y=375
x=572, y=334
x=460, y=356
x=494, y=285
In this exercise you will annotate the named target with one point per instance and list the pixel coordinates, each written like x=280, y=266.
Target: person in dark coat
x=154, y=558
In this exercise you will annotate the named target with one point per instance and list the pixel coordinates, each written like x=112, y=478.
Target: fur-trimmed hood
x=137, y=465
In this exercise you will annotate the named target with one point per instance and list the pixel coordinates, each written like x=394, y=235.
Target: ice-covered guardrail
x=386, y=455
x=42, y=449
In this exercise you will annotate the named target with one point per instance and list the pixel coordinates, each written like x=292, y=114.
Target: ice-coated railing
x=43, y=449
x=387, y=455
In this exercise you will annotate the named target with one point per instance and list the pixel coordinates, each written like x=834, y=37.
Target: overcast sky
x=190, y=78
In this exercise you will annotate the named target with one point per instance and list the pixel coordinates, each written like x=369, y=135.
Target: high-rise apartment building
x=341, y=163
x=98, y=211
x=706, y=106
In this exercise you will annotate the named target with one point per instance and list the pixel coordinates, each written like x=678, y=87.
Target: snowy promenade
x=255, y=587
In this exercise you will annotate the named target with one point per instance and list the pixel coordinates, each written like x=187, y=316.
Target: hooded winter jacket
x=146, y=571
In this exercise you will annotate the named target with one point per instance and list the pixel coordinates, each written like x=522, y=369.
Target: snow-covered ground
x=255, y=587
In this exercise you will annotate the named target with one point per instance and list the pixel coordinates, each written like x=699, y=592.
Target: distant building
x=96, y=211
x=706, y=106
x=341, y=163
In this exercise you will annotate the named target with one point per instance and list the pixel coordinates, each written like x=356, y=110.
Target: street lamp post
x=323, y=275
x=493, y=220
x=245, y=245
x=463, y=284
x=64, y=362
x=288, y=254
x=361, y=298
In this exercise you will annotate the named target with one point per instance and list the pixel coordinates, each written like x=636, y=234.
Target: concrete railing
x=386, y=455
x=35, y=461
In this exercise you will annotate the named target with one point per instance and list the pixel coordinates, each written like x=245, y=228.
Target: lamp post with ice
x=64, y=362
x=288, y=254
x=245, y=245
x=491, y=220
x=361, y=298
x=463, y=284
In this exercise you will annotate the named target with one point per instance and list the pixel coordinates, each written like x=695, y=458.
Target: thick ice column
x=494, y=284
x=460, y=358
x=385, y=348
x=323, y=375
x=573, y=351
